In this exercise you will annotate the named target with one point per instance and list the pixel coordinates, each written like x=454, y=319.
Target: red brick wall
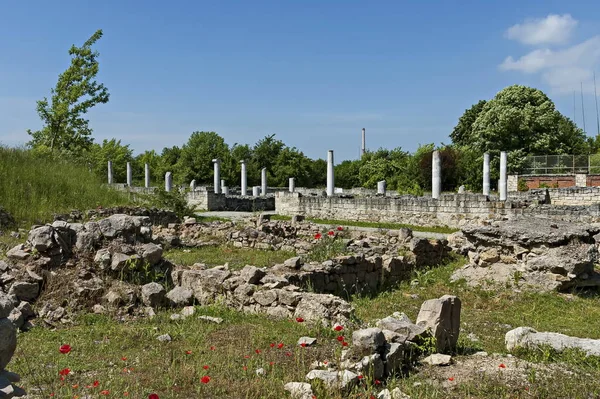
x=563, y=181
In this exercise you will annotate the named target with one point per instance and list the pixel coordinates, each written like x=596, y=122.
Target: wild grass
x=219, y=255
x=377, y=225
x=33, y=187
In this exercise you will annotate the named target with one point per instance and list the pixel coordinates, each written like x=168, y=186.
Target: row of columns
x=130, y=174
x=436, y=175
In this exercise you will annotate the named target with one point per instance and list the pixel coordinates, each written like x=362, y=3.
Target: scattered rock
x=442, y=317
x=526, y=337
x=438, y=359
x=252, y=274
x=153, y=295
x=180, y=296
x=164, y=338
x=24, y=291
x=307, y=341
x=216, y=320
x=299, y=390
x=368, y=341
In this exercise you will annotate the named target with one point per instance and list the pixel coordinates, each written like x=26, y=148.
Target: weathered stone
x=17, y=318
x=442, y=317
x=8, y=341
x=401, y=324
x=18, y=252
x=368, y=341
x=119, y=261
x=6, y=305
x=265, y=297
x=103, y=258
x=41, y=238
x=489, y=256
x=526, y=337
x=153, y=295
x=252, y=274
x=3, y=266
x=293, y=263
x=307, y=341
x=438, y=359
x=188, y=311
x=373, y=366
x=342, y=379
x=216, y=320
x=121, y=294
x=26, y=309
x=152, y=253
x=299, y=390
x=180, y=296
x=164, y=338
x=24, y=291
x=394, y=357
x=98, y=309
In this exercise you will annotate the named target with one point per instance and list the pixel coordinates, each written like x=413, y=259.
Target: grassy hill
x=34, y=187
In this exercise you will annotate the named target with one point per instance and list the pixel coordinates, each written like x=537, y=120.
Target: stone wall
x=453, y=210
x=207, y=200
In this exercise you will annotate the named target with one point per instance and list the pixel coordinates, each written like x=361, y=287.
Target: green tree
x=153, y=160
x=347, y=174
x=266, y=151
x=463, y=131
x=291, y=163
x=195, y=161
x=65, y=129
x=167, y=161
x=110, y=150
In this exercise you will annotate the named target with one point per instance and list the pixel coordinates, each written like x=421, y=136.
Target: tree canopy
x=65, y=129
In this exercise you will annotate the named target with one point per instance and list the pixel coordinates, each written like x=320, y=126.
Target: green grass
x=378, y=225
x=219, y=255
x=33, y=188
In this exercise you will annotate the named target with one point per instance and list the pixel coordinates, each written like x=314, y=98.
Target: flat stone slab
x=526, y=337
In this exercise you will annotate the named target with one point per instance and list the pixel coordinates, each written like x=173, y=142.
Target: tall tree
x=65, y=129
x=197, y=154
x=463, y=131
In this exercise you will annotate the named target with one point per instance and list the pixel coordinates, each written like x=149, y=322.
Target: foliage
x=33, y=186
x=522, y=185
x=174, y=200
x=463, y=131
x=65, y=130
x=110, y=150
x=237, y=258
x=195, y=159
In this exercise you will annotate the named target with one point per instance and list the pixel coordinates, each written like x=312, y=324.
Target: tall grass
x=34, y=187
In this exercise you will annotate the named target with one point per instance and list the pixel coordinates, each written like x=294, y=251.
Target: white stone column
x=225, y=190
x=502, y=182
x=330, y=176
x=193, y=185
x=244, y=182
x=147, y=176
x=168, y=182
x=263, y=182
x=486, y=174
x=222, y=185
x=292, y=185
x=255, y=191
x=217, y=177
x=129, y=174
x=436, y=175
x=110, y=173
x=381, y=186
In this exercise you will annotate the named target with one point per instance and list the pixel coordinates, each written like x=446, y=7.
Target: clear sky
x=314, y=72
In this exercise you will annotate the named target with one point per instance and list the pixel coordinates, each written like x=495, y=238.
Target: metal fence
x=561, y=164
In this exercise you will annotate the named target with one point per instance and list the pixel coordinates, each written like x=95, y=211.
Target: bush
x=522, y=185
x=174, y=200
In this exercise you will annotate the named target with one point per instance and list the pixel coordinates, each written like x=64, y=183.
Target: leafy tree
x=195, y=161
x=463, y=131
x=168, y=159
x=347, y=174
x=65, y=130
x=110, y=150
x=231, y=168
x=291, y=163
x=266, y=151
x=153, y=160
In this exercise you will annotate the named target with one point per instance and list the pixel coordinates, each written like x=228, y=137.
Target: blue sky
x=312, y=72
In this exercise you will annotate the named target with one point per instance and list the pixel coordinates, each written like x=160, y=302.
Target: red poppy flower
x=344, y=343
x=245, y=367
x=360, y=377
x=62, y=377
x=246, y=356
x=330, y=233
x=271, y=363
x=64, y=372
x=272, y=345
x=303, y=344
x=338, y=328
x=340, y=338
x=280, y=345
x=153, y=396
x=325, y=362
x=318, y=236
x=288, y=354
x=104, y=392
x=205, y=367
x=127, y=394
x=212, y=348
x=123, y=358
x=64, y=349
x=451, y=379
x=188, y=352
x=75, y=386
x=299, y=319
x=502, y=366
x=257, y=351
x=377, y=382
x=205, y=379
x=95, y=384
x=340, y=228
